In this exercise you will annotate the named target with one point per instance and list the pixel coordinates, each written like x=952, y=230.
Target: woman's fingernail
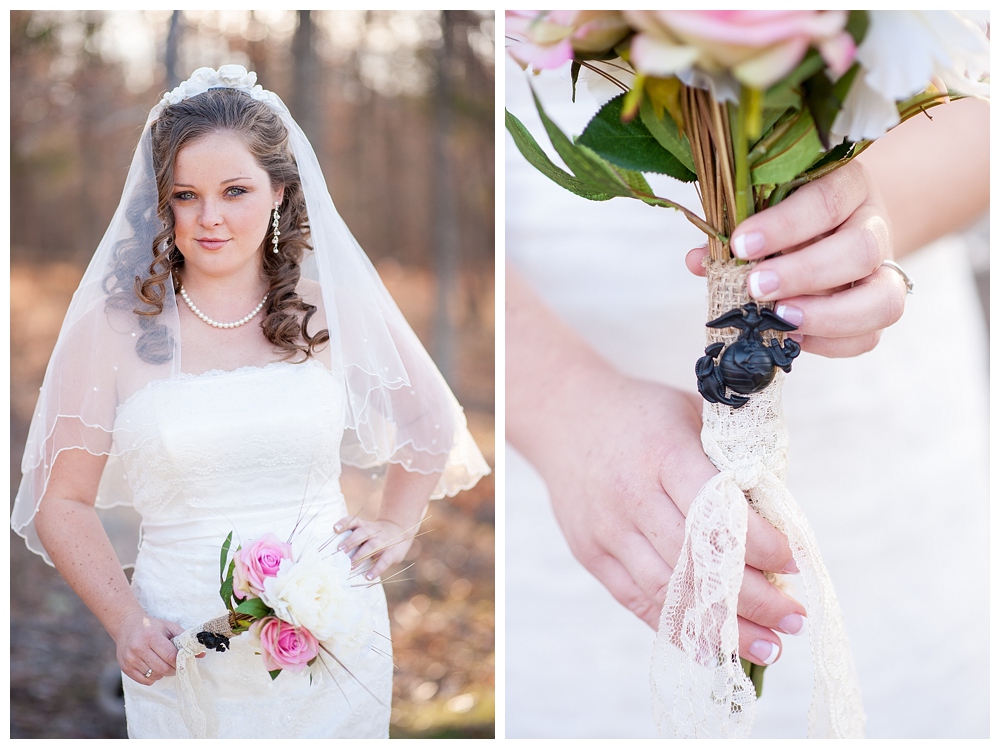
x=798, y=339
x=793, y=624
x=337, y=527
x=370, y=576
x=765, y=652
x=341, y=547
x=791, y=314
x=747, y=245
x=791, y=568
x=762, y=283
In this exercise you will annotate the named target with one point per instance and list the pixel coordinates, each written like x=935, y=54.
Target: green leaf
x=530, y=149
x=274, y=674
x=225, y=555
x=636, y=181
x=825, y=99
x=574, y=74
x=665, y=130
x=588, y=167
x=630, y=144
x=857, y=25
x=255, y=608
x=226, y=591
x=785, y=93
x=796, y=150
x=837, y=153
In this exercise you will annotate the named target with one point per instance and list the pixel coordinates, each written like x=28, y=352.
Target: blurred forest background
x=399, y=106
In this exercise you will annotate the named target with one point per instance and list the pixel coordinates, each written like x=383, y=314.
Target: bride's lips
x=211, y=243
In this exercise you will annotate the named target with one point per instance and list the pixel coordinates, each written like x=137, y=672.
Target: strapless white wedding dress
x=251, y=451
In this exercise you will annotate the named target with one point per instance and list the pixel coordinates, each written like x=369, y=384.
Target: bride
x=229, y=347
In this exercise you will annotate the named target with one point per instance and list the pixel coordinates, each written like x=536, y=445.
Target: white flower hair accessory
x=227, y=76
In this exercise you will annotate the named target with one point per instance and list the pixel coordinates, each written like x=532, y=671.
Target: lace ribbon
x=201, y=722
x=699, y=687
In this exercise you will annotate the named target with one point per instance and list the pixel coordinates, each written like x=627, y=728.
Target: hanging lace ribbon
x=699, y=687
x=201, y=723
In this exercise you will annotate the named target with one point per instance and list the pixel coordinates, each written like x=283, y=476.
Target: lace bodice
x=194, y=445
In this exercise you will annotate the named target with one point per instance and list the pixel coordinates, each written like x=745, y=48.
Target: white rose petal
x=315, y=592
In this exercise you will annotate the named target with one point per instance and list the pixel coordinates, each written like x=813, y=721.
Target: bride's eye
x=235, y=192
x=185, y=195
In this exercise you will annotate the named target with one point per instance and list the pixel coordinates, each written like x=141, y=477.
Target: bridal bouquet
x=299, y=606
x=296, y=609
x=751, y=105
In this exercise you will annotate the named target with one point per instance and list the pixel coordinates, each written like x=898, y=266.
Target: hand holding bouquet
x=752, y=105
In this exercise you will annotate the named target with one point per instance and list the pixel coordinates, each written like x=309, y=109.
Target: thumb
x=693, y=260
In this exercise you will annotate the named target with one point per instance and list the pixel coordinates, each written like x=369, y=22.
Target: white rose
x=315, y=592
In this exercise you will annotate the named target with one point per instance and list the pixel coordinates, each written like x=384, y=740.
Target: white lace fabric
x=699, y=687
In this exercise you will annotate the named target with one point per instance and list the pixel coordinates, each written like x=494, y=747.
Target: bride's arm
x=387, y=538
x=623, y=460
x=79, y=547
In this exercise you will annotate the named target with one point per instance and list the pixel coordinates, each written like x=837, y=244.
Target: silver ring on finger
x=149, y=673
x=906, y=279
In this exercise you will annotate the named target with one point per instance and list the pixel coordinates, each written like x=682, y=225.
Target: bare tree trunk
x=305, y=92
x=170, y=53
x=445, y=227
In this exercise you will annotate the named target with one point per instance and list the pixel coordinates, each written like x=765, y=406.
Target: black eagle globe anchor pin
x=747, y=365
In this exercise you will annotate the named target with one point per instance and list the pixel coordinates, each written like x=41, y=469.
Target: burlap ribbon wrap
x=699, y=687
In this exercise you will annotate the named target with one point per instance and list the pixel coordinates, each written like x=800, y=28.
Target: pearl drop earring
x=274, y=226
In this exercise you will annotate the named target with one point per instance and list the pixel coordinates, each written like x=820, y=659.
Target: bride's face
x=222, y=203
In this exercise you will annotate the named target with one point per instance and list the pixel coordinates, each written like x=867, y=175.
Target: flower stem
x=748, y=103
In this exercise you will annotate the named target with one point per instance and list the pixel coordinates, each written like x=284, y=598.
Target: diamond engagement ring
x=148, y=673
x=900, y=271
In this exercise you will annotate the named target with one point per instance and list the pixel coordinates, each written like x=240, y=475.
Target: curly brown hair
x=142, y=270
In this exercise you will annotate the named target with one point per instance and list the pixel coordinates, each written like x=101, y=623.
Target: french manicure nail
x=747, y=245
x=798, y=339
x=793, y=624
x=370, y=576
x=762, y=283
x=337, y=527
x=791, y=314
x=764, y=651
x=791, y=568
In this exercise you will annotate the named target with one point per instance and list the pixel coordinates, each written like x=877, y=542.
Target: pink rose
x=547, y=39
x=258, y=561
x=283, y=646
x=759, y=47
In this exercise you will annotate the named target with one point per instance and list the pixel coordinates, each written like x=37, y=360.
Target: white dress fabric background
x=888, y=460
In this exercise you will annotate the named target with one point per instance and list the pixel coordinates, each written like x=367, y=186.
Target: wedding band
x=148, y=673
x=900, y=271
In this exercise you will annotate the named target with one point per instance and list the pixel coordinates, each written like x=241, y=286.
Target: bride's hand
x=144, y=644
x=622, y=475
x=381, y=543
x=831, y=237
x=623, y=462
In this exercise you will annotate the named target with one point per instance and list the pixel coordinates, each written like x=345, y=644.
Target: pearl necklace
x=213, y=323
